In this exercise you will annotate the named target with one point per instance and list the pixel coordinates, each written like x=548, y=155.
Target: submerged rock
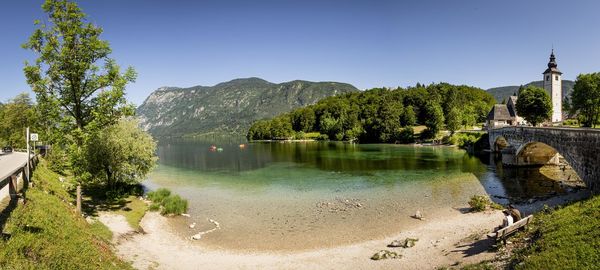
x=385, y=254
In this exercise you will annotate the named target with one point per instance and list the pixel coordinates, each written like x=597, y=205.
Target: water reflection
x=334, y=165
x=518, y=184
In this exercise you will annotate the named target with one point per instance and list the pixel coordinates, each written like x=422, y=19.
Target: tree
x=408, y=117
x=585, y=99
x=73, y=68
x=454, y=120
x=435, y=119
x=120, y=154
x=15, y=116
x=534, y=105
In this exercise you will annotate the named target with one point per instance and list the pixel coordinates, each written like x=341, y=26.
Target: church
x=502, y=115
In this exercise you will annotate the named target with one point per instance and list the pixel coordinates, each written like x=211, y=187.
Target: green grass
x=168, y=204
x=46, y=233
x=567, y=238
x=134, y=210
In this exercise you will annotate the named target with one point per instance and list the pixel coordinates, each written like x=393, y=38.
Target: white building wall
x=554, y=86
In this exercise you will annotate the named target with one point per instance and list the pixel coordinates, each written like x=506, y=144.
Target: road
x=9, y=162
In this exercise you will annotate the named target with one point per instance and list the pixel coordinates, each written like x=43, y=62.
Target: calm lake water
x=290, y=196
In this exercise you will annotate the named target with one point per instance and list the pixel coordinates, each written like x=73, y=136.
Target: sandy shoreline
x=443, y=241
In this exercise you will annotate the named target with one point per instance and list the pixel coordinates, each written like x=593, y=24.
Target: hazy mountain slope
x=500, y=93
x=228, y=107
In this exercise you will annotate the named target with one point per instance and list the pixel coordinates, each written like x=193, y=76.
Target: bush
x=58, y=161
x=571, y=122
x=480, y=203
x=159, y=195
x=168, y=204
x=174, y=205
x=322, y=137
x=406, y=135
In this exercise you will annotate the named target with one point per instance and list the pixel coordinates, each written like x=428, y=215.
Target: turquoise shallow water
x=288, y=196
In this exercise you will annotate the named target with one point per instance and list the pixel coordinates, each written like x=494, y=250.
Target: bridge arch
x=580, y=148
x=537, y=153
x=499, y=144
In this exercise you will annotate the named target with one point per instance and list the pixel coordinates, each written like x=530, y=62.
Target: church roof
x=552, y=66
x=500, y=112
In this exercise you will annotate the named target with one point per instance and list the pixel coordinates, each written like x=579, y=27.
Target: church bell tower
x=553, y=85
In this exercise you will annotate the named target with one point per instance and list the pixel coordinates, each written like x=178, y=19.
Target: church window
x=547, y=78
x=556, y=78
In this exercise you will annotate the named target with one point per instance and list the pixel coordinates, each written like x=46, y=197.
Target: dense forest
x=381, y=115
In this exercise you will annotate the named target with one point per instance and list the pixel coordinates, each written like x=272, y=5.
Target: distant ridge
x=228, y=107
x=503, y=92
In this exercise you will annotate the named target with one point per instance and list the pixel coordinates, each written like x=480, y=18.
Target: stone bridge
x=522, y=146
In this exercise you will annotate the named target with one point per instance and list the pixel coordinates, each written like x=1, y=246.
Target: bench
x=505, y=232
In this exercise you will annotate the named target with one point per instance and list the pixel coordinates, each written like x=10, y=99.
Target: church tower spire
x=553, y=85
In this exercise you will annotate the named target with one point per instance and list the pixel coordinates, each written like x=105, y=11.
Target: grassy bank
x=566, y=238
x=46, y=233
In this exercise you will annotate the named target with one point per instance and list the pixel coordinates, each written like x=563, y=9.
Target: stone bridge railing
x=579, y=146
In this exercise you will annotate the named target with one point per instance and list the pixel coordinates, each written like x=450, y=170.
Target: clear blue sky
x=365, y=43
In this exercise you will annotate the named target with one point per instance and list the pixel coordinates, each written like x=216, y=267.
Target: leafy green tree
x=120, y=154
x=534, y=105
x=303, y=119
x=406, y=135
x=454, y=120
x=408, y=117
x=330, y=126
x=388, y=121
x=585, y=99
x=73, y=68
x=281, y=127
x=15, y=116
x=435, y=120
x=260, y=130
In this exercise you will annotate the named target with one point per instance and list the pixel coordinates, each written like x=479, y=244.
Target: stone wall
x=580, y=147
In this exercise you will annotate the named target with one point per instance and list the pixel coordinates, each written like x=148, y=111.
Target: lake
x=304, y=195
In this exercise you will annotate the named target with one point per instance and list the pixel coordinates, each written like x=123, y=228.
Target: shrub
x=174, y=205
x=406, y=135
x=480, y=203
x=163, y=200
x=322, y=137
x=58, y=161
x=159, y=195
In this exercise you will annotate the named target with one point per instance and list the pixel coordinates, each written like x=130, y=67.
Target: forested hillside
x=502, y=93
x=381, y=115
x=228, y=107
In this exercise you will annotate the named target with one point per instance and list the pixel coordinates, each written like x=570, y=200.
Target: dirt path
x=443, y=240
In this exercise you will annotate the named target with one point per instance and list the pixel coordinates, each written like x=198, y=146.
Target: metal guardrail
x=10, y=180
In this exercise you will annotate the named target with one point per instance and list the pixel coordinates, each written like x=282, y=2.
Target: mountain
x=501, y=93
x=228, y=107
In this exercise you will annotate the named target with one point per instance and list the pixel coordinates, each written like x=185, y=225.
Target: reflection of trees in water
x=337, y=157
x=527, y=182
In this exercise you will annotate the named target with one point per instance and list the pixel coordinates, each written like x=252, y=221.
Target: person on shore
x=506, y=221
x=515, y=213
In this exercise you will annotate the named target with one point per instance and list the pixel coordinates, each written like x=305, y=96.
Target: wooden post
x=79, y=198
x=28, y=156
x=12, y=187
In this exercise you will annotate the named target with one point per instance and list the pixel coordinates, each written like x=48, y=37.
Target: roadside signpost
x=34, y=138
